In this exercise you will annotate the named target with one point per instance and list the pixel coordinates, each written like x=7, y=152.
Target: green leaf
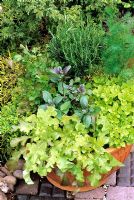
x=78, y=113
x=17, y=58
x=84, y=101
x=114, y=162
x=43, y=106
x=87, y=120
x=23, y=139
x=96, y=110
x=80, y=184
x=42, y=171
x=47, y=97
x=94, y=179
x=65, y=107
x=58, y=99
x=127, y=5
x=71, y=96
x=27, y=177
x=12, y=165
x=59, y=114
x=62, y=88
x=65, y=180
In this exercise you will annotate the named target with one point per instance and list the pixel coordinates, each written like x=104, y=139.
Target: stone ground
x=120, y=186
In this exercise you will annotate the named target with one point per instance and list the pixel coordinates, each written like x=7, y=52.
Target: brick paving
x=120, y=193
x=125, y=176
x=23, y=188
x=99, y=193
x=45, y=191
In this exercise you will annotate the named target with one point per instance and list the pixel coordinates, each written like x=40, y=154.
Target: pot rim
x=114, y=149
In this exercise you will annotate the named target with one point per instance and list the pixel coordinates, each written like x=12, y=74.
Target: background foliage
x=35, y=79
x=24, y=92
x=8, y=118
x=27, y=22
x=118, y=44
x=78, y=46
x=9, y=73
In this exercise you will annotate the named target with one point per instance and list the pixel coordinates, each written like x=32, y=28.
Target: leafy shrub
x=127, y=73
x=78, y=46
x=119, y=44
x=16, y=25
x=65, y=143
x=8, y=118
x=27, y=22
x=115, y=121
x=27, y=94
x=69, y=96
x=35, y=78
x=9, y=73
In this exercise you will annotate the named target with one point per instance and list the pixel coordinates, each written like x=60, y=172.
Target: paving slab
x=48, y=191
x=123, y=181
x=125, y=176
x=22, y=197
x=45, y=190
x=112, y=180
x=35, y=198
x=120, y=193
x=56, y=192
x=41, y=198
x=25, y=189
x=93, y=194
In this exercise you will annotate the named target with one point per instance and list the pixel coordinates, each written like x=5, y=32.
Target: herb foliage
x=65, y=143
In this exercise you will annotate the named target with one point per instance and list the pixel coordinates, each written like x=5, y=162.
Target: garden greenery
x=119, y=44
x=28, y=22
x=35, y=79
x=115, y=122
x=70, y=145
x=8, y=117
x=78, y=46
x=63, y=143
x=9, y=73
x=70, y=94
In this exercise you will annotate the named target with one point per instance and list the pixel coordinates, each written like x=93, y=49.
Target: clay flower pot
x=119, y=153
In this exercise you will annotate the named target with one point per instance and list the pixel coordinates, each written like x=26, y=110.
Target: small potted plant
x=81, y=134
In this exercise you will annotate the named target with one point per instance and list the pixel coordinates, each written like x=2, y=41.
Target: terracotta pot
x=119, y=153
